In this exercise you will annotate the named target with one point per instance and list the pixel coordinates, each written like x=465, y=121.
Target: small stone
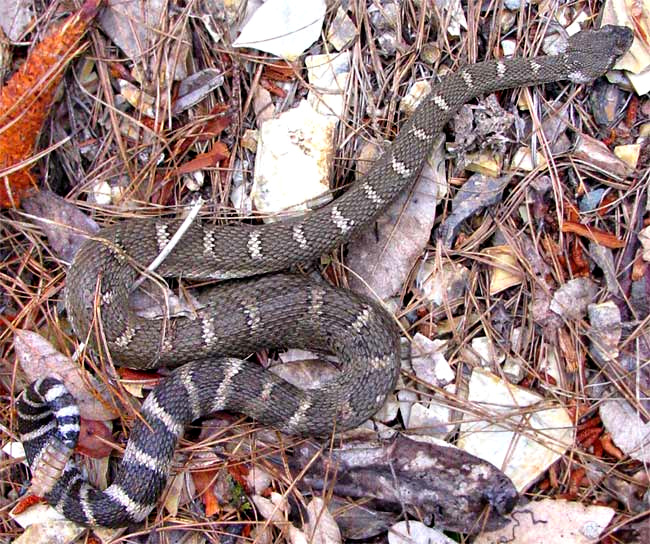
x=489, y=355
x=522, y=455
x=484, y=163
x=418, y=92
x=571, y=299
x=523, y=160
x=102, y=193
x=429, y=362
x=342, y=30
x=628, y=153
x=430, y=53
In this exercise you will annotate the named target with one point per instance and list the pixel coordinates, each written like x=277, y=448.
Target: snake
x=258, y=305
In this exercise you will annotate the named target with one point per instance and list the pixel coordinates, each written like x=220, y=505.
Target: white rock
x=388, y=412
x=102, y=193
x=556, y=521
x=328, y=77
x=431, y=419
x=415, y=532
x=428, y=360
x=342, y=30
x=293, y=161
x=572, y=298
x=407, y=399
x=546, y=430
x=418, y=92
x=488, y=353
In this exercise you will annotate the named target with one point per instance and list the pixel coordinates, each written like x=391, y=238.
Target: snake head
x=593, y=52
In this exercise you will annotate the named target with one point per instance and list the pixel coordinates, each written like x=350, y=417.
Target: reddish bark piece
x=26, y=99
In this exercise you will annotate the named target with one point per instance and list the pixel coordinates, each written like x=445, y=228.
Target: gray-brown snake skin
x=273, y=311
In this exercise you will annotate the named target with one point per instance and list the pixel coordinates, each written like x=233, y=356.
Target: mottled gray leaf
x=358, y=522
x=65, y=225
x=196, y=87
x=477, y=193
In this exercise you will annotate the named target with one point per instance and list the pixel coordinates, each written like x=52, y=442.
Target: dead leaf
x=321, y=527
x=383, y=253
x=477, y=193
x=601, y=237
x=66, y=226
x=209, y=159
x=204, y=481
x=95, y=439
x=39, y=358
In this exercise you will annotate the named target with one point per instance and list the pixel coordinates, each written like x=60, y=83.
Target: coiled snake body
x=239, y=317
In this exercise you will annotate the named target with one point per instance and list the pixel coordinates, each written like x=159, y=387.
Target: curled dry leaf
x=275, y=509
x=599, y=236
x=39, y=358
x=476, y=193
x=196, y=87
x=629, y=432
x=644, y=238
x=598, y=155
x=204, y=481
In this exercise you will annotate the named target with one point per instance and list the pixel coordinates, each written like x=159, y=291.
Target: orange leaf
x=218, y=153
x=26, y=99
x=204, y=482
x=600, y=237
x=133, y=375
x=25, y=503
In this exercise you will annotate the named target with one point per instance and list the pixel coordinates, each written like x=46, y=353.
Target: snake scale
x=241, y=316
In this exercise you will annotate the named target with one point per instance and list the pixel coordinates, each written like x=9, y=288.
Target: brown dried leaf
x=604, y=238
x=204, y=481
x=39, y=358
x=209, y=159
x=597, y=154
x=66, y=226
x=95, y=439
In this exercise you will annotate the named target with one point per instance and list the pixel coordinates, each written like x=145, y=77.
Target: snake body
x=242, y=316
